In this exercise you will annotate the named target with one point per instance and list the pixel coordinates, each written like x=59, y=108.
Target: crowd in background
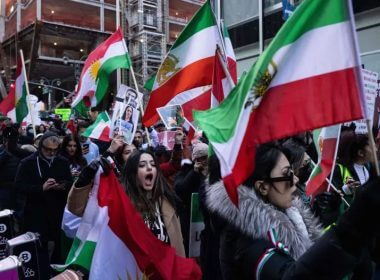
x=42, y=175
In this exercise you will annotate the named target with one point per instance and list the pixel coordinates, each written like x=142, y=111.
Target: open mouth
x=149, y=178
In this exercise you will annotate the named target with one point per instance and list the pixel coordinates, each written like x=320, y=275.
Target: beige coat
x=77, y=201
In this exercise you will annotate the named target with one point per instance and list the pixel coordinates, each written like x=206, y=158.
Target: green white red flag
x=327, y=140
x=113, y=242
x=112, y=54
x=100, y=129
x=20, y=92
x=308, y=77
x=188, y=66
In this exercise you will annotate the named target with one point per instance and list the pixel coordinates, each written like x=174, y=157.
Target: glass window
x=238, y=11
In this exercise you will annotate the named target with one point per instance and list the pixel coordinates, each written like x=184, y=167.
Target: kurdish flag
x=20, y=92
x=113, y=242
x=112, y=54
x=326, y=141
x=100, y=129
x=187, y=66
x=308, y=77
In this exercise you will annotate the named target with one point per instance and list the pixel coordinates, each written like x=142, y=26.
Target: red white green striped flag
x=20, y=92
x=112, y=54
x=187, y=67
x=308, y=77
x=113, y=242
x=326, y=140
x=100, y=129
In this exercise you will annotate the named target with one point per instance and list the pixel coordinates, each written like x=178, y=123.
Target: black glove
x=326, y=201
x=326, y=207
x=360, y=224
x=88, y=173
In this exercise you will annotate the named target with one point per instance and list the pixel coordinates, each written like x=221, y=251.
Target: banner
x=171, y=116
x=64, y=113
x=196, y=227
x=167, y=139
x=125, y=114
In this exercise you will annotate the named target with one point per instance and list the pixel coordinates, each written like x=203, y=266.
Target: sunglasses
x=288, y=178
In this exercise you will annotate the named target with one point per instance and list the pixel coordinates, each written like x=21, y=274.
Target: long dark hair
x=137, y=194
x=350, y=144
x=267, y=156
x=78, y=156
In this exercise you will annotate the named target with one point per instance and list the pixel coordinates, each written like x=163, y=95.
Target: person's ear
x=361, y=153
x=262, y=188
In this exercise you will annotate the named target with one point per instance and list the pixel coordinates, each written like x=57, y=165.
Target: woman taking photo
x=273, y=235
x=72, y=151
x=148, y=191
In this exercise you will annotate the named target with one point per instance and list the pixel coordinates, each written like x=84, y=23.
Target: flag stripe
x=308, y=96
x=182, y=81
x=320, y=58
x=203, y=19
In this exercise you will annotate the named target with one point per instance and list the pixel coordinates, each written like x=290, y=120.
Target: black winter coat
x=43, y=210
x=252, y=243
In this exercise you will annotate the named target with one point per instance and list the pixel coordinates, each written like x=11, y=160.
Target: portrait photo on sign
x=125, y=114
x=171, y=116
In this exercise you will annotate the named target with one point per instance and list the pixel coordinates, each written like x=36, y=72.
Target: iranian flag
x=308, y=77
x=326, y=140
x=112, y=54
x=188, y=66
x=113, y=242
x=8, y=103
x=20, y=92
x=100, y=129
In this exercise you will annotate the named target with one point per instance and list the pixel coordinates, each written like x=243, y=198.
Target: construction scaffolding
x=147, y=41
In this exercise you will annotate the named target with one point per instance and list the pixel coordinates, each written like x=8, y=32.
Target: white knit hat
x=200, y=150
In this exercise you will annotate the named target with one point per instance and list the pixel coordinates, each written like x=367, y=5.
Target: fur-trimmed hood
x=296, y=227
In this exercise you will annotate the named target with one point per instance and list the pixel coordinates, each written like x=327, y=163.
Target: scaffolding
x=146, y=34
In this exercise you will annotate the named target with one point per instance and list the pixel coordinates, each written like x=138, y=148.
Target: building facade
x=57, y=36
x=242, y=19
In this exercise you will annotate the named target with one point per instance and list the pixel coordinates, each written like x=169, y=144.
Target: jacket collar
x=296, y=227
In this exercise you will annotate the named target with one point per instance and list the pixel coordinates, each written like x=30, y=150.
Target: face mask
x=304, y=173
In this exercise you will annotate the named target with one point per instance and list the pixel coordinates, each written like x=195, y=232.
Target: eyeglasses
x=50, y=150
x=288, y=178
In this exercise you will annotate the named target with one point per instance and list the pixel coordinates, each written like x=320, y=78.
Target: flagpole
x=118, y=71
x=140, y=103
x=261, y=27
x=27, y=91
x=334, y=160
x=373, y=147
x=337, y=191
x=228, y=75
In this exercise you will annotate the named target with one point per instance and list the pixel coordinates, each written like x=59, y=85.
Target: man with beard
x=44, y=180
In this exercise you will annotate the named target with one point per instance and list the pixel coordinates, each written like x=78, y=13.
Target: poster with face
x=171, y=116
x=125, y=114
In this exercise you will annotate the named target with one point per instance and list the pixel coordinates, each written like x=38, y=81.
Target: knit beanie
x=200, y=150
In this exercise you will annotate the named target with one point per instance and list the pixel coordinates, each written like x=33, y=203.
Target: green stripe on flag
x=196, y=215
x=202, y=19
x=110, y=65
x=84, y=257
x=225, y=111
x=22, y=106
x=150, y=83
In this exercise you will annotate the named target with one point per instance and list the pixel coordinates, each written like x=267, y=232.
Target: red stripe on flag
x=232, y=68
x=201, y=103
x=9, y=102
x=316, y=184
x=104, y=136
x=218, y=75
x=192, y=76
x=154, y=258
x=292, y=108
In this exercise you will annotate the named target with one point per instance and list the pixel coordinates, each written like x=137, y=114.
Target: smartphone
x=85, y=146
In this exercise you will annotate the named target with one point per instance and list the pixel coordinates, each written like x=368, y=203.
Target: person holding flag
x=273, y=235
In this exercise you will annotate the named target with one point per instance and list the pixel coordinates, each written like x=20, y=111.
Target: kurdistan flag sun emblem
x=94, y=69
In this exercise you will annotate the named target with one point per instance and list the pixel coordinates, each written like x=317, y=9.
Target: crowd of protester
x=275, y=232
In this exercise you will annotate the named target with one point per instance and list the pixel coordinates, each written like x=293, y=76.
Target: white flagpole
x=118, y=71
x=27, y=91
x=334, y=160
x=228, y=75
